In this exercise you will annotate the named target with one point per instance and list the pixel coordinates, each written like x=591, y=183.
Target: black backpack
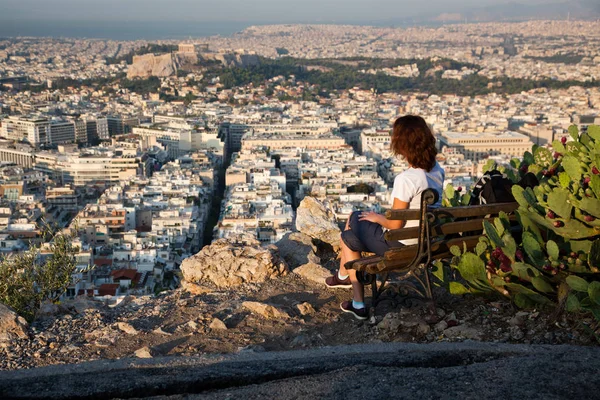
x=494, y=187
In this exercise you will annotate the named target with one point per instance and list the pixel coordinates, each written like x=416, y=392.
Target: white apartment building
x=232, y=133
x=39, y=131
x=276, y=141
x=179, y=139
x=92, y=166
x=374, y=141
x=476, y=146
x=34, y=130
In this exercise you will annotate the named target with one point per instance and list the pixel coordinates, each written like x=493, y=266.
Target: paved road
x=380, y=371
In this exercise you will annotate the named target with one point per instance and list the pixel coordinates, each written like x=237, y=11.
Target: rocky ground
x=302, y=315
x=239, y=296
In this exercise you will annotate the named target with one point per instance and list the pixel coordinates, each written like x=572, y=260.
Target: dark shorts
x=367, y=236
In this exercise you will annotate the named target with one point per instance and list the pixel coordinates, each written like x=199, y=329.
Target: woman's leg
x=343, y=260
x=357, y=287
x=347, y=256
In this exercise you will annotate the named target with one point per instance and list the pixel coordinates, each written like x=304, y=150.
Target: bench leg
x=429, y=291
x=377, y=291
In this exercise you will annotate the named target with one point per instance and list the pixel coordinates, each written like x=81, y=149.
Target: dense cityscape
x=146, y=152
x=320, y=199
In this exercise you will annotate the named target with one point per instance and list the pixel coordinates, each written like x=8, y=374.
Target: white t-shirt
x=409, y=185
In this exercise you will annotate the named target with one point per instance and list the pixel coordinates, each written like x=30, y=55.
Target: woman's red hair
x=413, y=139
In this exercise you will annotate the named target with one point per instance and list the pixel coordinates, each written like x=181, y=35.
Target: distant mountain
x=514, y=11
x=517, y=12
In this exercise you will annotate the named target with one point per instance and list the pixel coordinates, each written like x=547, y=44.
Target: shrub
x=29, y=278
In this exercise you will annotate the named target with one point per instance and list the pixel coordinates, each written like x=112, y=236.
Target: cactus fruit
x=551, y=215
x=595, y=171
x=563, y=140
x=519, y=255
x=505, y=267
x=558, y=224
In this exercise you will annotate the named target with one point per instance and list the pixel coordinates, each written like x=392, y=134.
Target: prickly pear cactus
x=556, y=260
x=567, y=201
x=533, y=272
x=455, y=197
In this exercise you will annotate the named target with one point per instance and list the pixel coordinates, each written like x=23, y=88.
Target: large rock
x=305, y=309
x=144, y=352
x=265, y=310
x=148, y=65
x=297, y=249
x=217, y=325
x=12, y=326
x=81, y=304
x=313, y=272
x=315, y=220
x=126, y=328
x=195, y=289
x=231, y=262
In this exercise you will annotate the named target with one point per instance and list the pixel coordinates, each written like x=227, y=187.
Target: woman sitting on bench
x=364, y=232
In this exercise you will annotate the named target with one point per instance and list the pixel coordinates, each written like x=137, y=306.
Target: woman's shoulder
x=411, y=175
x=419, y=173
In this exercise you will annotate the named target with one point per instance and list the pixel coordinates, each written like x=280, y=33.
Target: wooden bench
x=439, y=229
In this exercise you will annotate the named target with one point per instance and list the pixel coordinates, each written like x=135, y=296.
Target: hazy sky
x=234, y=10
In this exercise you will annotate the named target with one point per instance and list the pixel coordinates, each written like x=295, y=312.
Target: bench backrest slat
x=439, y=229
x=454, y=212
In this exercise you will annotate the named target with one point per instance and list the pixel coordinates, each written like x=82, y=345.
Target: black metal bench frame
x=415, y=261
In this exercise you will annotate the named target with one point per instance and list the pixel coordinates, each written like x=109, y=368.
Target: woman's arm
x=382, y=220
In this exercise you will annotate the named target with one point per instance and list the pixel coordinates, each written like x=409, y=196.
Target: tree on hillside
x=28, y=279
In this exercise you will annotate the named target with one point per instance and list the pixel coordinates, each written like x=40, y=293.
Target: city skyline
x=258, y=11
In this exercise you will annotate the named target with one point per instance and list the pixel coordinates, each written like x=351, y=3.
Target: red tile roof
x=100, y=261
x=123, y=274
x=108, y=289
x=130, y=274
